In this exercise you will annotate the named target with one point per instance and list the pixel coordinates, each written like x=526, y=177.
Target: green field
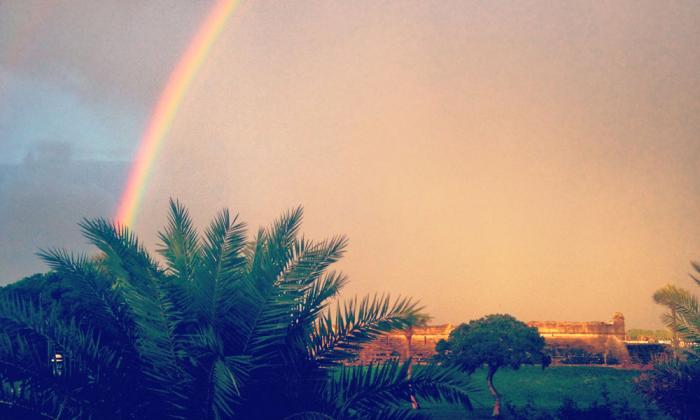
x=546, y=389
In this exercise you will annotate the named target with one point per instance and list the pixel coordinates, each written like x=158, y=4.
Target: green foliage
x=685, y=311
x=494, y=340
x=225, y=327
x=359, y=391
x=674, y=382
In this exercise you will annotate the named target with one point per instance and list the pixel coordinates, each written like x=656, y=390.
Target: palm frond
x=686, y=309
x=24, y=401
x=267, y=297
x=438, y=383
x=223, y=265
x=221, y=390
x=695, y=277
x=226, y=389
x=180, y=243
x=310, y=260
x=365, y=391
x=316, y=297
x=30, y=329
x=159, y=344
x=338, y=334
x=89, y=283
x=123, y=255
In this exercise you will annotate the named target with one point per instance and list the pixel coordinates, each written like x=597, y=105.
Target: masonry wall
x=575, y=330
x=595, y=336
x=395, y=345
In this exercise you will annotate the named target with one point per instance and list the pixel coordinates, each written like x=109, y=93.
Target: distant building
x=569, y=342
x=395, y=345
x=560, y=331
x=597, y=342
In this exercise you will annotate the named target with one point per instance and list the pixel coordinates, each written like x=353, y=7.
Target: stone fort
x=600, y=337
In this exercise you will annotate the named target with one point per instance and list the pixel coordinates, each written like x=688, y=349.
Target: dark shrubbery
x=225, y=327
x=673, y=385
x=606, y=409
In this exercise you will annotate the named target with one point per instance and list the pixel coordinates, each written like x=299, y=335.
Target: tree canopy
x=495, y=341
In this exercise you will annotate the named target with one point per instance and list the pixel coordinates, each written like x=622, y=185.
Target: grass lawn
x=546, y=389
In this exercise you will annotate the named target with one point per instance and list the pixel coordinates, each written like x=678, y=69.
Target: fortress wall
x=395, y=345
x=578, y=330
x=594, y=336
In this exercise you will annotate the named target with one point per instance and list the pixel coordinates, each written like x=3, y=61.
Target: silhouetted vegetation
x=226, y=327
x=605, y=409
x=673, y=385
x=674, y=382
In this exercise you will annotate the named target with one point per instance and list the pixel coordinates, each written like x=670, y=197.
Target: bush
x=606, y=409
x=673, y=385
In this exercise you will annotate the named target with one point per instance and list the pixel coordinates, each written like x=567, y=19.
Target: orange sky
x=481, y=156
x=535, y=158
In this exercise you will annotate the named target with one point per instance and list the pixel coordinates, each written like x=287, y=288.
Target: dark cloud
x=77, y=82
x=42, y=199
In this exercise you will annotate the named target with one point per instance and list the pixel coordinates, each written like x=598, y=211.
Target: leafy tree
x=495, y=341
x=224, y=327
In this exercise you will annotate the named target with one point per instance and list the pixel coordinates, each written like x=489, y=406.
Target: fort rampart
x=600, y=337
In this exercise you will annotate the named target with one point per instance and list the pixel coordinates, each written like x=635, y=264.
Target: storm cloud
x=42, y=199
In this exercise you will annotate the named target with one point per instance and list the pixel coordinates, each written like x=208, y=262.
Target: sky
x=533, y=158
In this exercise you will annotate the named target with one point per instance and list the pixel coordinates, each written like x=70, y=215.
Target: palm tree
x=683, y=318
x=673, y=382
x=665, y=296
x=223, y=327
x=413, y=321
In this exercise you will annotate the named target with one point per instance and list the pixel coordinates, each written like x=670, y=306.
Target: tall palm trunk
x=674, y=333
x=492, y=389
x=409, y=355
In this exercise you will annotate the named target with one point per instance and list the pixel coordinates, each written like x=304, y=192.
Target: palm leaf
x=268, y=295
x=89, y=283
x=123, y=255
x=696, y=266
x=686, y=308
x=180, y=243
x=25, y=401
x=223, y=265
x=365, y=391
x=337, y=336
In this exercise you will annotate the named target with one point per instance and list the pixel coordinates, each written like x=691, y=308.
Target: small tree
x=495, y=341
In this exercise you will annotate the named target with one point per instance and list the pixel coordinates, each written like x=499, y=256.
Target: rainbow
x=167, y=106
